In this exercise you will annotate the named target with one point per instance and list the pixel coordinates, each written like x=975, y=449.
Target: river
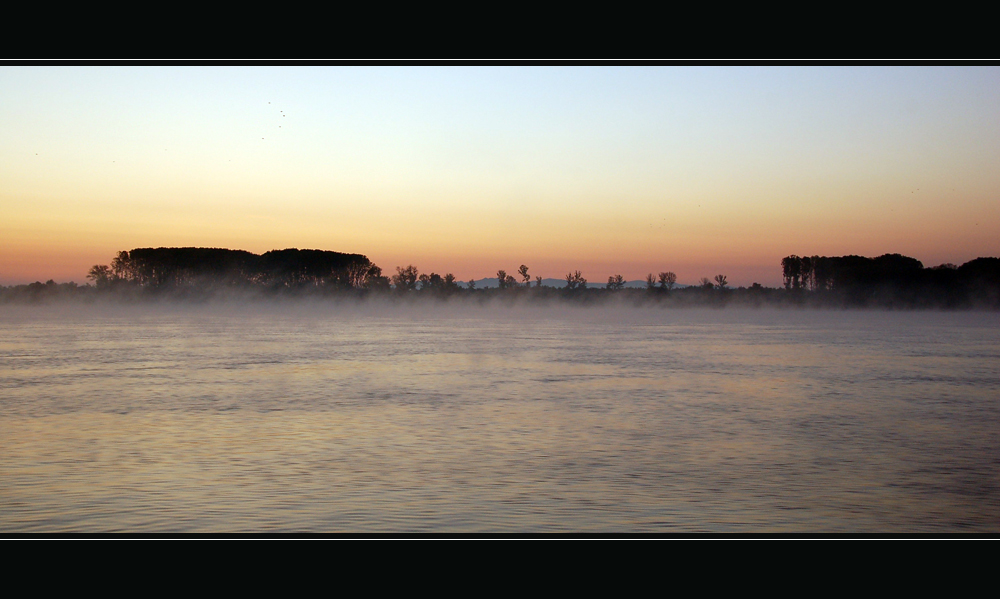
x=378, y=418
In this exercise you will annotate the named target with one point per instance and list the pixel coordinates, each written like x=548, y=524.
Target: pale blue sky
x=608, y=169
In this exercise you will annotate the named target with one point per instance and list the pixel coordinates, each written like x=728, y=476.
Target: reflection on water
x=505, y=420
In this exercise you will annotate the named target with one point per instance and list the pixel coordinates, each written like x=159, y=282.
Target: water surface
x=323, y=418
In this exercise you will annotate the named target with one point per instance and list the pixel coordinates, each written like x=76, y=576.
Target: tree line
x=890, y=280
x=159, y=268
x=172, y=269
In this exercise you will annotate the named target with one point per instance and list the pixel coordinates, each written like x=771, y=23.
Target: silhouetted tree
x=356, y=274
x=667, y=280
x=523, y=271
x=980, y=280
x=352, y=275
x=575, y=280
x=303, y=269
x=502, y=279
x=100, y=274
x=405, y=279
x=375, y=281
x=121, y=267
x=172, y=267
x=431, y=282
x=822, y=272
x=806, y=272
x=471, y=284
x=887, y=280
x=791, y=267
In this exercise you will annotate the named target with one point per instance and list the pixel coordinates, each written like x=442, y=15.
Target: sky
x=607, y=170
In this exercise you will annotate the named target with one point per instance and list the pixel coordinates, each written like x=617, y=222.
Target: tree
x=523, y=271
x=806, y=272
x=356, y=274
x=433, y=282
x=100, y=274
x=122, y=267
x=471, y=284
x=375, y=280
x=502, y=279
x=720, y=281
x=538, y=281
x=791, y=268
x=616, y=283
x=650, y=282
x=706, y=283
x=667, y=280
x=575, y=280
x=405, y=279
x=821, y=272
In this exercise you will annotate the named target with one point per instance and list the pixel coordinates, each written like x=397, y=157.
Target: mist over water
x=456, y=417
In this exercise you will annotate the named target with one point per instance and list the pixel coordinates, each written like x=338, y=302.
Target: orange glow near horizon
x=468, y=171
x=63, y=245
